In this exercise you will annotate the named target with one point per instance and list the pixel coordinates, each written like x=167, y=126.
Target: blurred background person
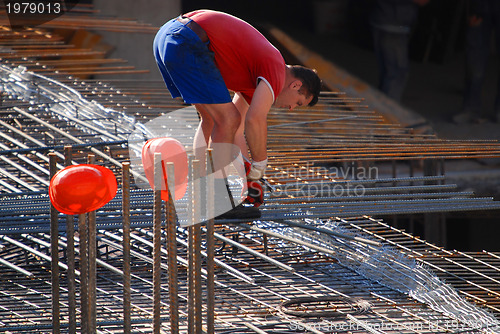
x=392, y=22
x=483, y=20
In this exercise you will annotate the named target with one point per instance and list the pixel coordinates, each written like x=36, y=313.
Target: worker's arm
x=256, y=122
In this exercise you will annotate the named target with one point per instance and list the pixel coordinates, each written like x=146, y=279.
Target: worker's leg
x=202, y=136
x=226, y=120
x=400, y=66
x=379, y=55
x=392, y=55
x=477, y=51
x=206, y=126
x=217, y=128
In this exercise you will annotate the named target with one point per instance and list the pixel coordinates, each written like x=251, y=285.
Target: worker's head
x=302, y=87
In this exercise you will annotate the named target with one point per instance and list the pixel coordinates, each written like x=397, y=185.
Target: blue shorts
x=188, y=66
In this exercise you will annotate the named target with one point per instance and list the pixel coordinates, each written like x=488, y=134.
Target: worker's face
x=292, y=96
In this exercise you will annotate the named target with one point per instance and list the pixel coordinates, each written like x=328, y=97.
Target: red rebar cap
x=82, y=188
x=171, y=151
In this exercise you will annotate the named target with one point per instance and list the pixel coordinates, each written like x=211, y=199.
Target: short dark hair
x=310, y=81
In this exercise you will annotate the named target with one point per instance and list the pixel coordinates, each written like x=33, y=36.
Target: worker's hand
x=255, y=193
x=257, y=170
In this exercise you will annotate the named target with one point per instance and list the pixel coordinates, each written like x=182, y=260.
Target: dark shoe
x=463, y=118
x=241, y=212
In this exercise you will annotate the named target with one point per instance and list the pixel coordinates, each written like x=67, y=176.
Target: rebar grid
x=237, y=300
x=313, y=207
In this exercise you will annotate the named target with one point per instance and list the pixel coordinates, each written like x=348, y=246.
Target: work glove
x=255, y=194
x=257, y=170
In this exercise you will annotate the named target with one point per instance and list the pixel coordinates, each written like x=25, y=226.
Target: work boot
x=241, y=212
x=227, y=203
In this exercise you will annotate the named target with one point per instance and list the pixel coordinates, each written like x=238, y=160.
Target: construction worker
x=204, y=54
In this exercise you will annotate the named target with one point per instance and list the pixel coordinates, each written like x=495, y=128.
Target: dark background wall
x=437, y=35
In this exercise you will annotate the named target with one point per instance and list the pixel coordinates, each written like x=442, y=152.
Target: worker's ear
x=296, y=84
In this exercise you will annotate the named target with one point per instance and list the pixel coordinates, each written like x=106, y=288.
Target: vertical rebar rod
x=190, y=249
x=224, y=177
x=92, y=256
x=54, y=251
x=158, y=175
x=84, y=300
x=126, y=246
x=198, y=302
x=210, y=246
x=172, y=251
x=265, y=244
x=70, y=255
x=190, y=279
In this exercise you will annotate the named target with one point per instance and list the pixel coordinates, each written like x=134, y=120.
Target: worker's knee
x=207, y=123
x=229, y=121
x=226, y=117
